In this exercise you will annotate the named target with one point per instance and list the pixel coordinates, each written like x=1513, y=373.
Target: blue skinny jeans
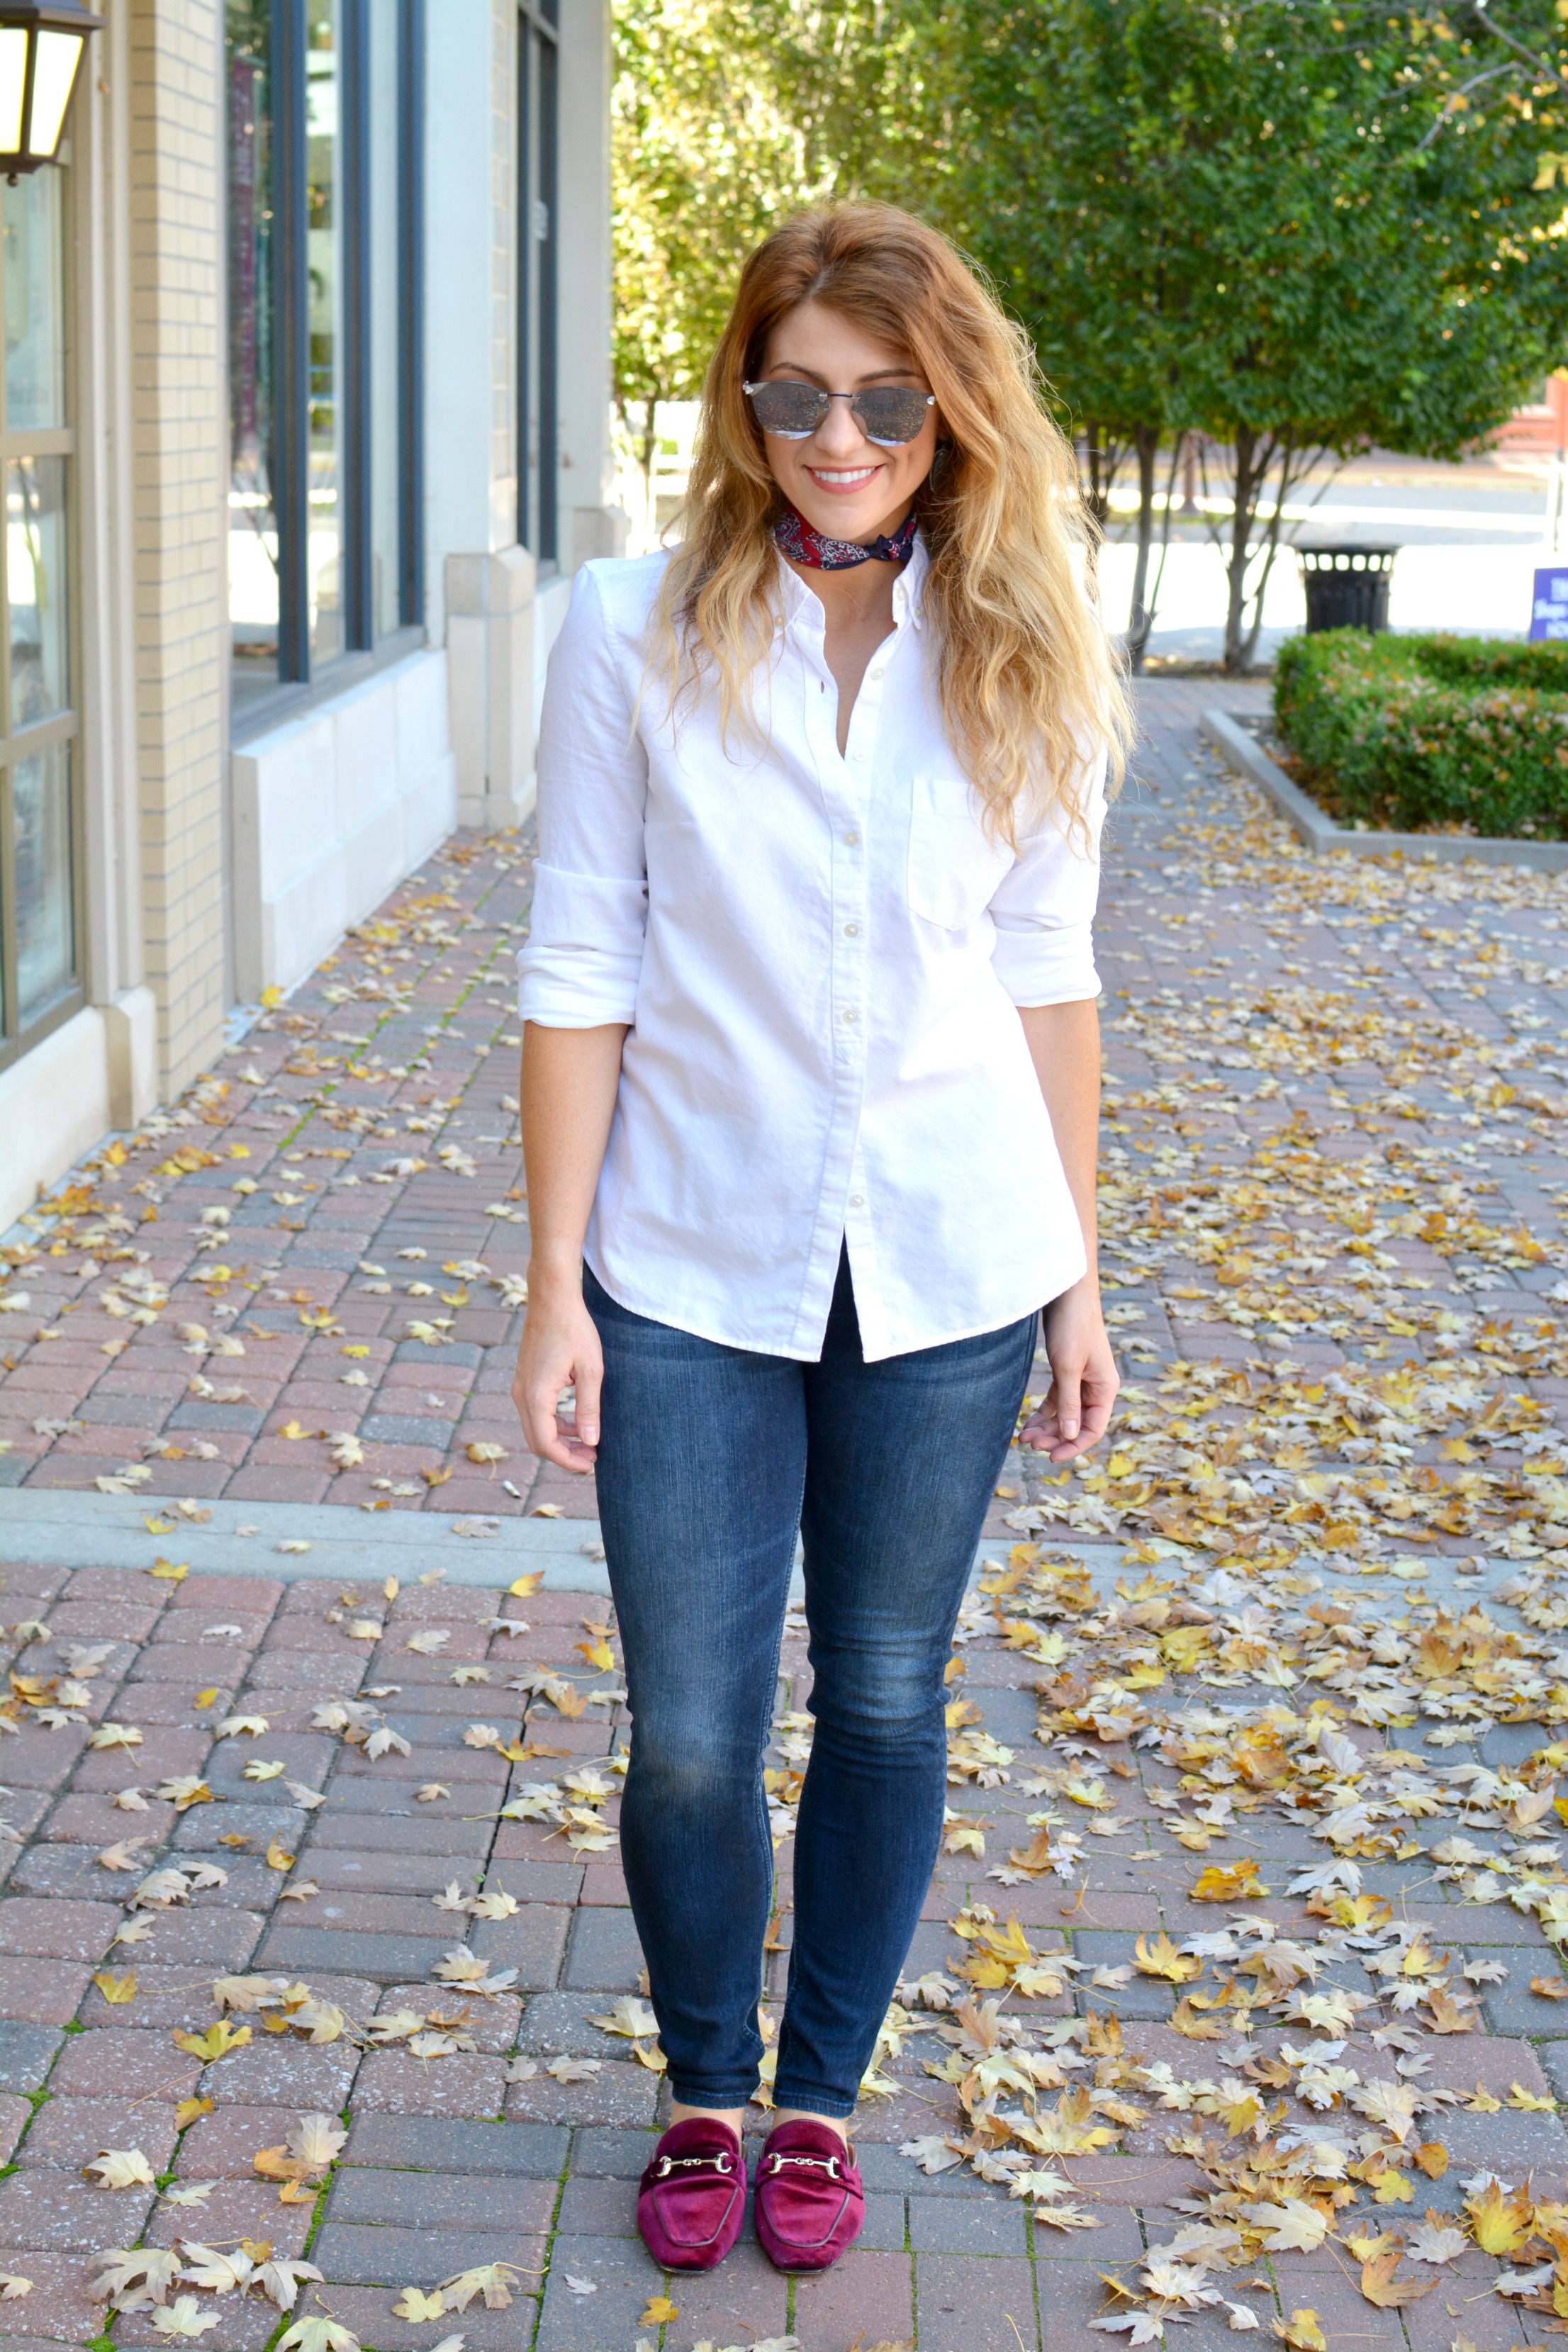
x=711, y=1457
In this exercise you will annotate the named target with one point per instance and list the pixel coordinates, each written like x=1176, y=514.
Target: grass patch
x=1458, y=735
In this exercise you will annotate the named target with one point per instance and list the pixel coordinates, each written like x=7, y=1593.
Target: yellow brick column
x=180, y=546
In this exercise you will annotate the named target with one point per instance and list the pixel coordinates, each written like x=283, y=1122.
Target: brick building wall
x=176, y=311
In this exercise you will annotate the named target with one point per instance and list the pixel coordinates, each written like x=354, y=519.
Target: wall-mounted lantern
x=42, y=45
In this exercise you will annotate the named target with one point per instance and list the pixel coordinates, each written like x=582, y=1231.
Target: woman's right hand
x=560, y=1350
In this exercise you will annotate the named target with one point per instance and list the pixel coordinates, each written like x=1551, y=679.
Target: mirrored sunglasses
x=889, y=414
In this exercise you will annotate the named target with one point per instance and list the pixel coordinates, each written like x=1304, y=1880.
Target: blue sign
x=1549, y=612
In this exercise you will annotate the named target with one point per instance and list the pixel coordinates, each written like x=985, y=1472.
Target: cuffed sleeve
x=584, y=956
x=1043, y=911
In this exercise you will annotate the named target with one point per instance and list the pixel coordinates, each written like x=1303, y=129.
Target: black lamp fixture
x=42, y=45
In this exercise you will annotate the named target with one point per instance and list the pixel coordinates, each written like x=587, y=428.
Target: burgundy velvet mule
x=692, y=2199
x=810, y=2204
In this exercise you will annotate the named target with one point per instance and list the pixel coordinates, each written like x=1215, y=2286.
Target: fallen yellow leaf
x=1160, y=1959
x=216, y=2042
x=1236, y=1881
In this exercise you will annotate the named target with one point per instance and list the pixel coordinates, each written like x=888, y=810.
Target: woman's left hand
x=1084, y=1377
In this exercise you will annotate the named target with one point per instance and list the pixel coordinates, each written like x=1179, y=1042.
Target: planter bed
x=1415, y=734
x=1440, y=748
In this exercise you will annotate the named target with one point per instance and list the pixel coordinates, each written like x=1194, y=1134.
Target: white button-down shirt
x=819, y=955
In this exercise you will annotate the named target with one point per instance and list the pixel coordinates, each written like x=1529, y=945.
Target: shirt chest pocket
x=954, y=864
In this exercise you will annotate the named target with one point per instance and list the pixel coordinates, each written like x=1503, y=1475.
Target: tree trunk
x=1247, y=480
x=1140, y=619
x=1099, y=499
x=647, y=452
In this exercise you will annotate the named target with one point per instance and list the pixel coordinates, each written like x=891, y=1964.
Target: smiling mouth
x=843, y=478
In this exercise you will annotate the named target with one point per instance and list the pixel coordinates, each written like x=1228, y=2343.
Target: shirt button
x=857, y=1200
x=851, y=930
x=852, y=1014
x=851, y=841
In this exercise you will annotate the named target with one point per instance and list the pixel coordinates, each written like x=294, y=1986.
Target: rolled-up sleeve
x=584, y=956
x=1043, y=910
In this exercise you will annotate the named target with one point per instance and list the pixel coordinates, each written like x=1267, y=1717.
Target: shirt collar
x=801, y=603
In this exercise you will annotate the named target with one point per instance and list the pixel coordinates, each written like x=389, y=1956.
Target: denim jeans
x=711, y=1459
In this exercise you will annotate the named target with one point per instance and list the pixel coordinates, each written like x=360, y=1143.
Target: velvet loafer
x=810, y=2204
x=692, y=2199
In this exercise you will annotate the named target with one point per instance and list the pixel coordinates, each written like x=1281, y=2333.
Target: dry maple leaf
x=216, y=2042
x=415, y=2305
x=1446, y=2016
x=220, y=2274
x=122, y=1856
x=1292, y=2226
x=251, y=1992
x=280, y=2280
x=140, y=2277
x=493, y=2280
x=1162, y=1959
x=184, y=2316
x=1436, y=2240
x=384, y=1740
x=317, y=2333
x=1303, y=2331
x=315, y=2141
x=1378, y=2284
x=633, y=2018
x=574, y=2070
x=1067, y=2129
x=1501, y=2222
x=120, y=2168
x=1236, y=1881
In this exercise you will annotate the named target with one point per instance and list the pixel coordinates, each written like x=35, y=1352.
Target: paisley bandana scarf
x=796, y=539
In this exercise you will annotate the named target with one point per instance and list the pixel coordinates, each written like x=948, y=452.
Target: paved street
x=1254, y=1721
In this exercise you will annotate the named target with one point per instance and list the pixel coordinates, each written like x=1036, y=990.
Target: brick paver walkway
x=1254, y=1723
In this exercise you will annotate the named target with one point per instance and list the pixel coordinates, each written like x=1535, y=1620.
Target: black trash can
x=1347, y=587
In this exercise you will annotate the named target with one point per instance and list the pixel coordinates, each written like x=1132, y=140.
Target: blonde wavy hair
x=1029, y=691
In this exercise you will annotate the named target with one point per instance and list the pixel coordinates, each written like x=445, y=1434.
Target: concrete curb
x=57, y=1527
x=61, y=1527
x=1324, y=837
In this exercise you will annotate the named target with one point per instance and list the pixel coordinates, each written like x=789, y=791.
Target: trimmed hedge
x=1442, y=734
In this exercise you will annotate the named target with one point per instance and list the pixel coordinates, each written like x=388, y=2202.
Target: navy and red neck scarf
x=795, y=538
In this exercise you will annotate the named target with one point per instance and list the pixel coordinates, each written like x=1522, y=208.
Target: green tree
x=705, y=163
x=1299, y=230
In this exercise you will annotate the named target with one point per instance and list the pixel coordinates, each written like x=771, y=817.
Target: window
x=324, y=229
x=40, y=853
x=537, y=115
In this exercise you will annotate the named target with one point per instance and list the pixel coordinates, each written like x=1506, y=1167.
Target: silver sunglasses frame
x=928, y=397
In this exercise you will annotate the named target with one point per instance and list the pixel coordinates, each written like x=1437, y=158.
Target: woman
x=810, y=1092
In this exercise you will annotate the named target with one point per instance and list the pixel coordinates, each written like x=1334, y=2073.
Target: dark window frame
x=61, y=726
x=537, y=281
x=301, y=680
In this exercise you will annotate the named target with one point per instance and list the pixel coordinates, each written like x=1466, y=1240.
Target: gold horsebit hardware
x=667, y=2164
x=828, y=2163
